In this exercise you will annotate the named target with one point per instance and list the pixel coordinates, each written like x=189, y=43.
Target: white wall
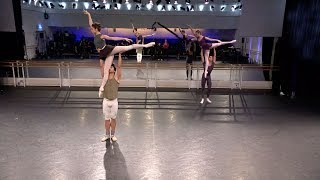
x=262, y=18
x=30, y=21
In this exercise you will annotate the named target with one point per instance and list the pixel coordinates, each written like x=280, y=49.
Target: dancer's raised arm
x=192, y=30
x=149, y=35
x=119, y=70
x=209, y=39
x=89, y=17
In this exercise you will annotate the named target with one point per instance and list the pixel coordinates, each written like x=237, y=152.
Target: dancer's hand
x=86, y=12
x=128, y=40
x=101, y=92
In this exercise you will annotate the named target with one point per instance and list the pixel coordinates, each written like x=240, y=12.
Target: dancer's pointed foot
x=150, y=44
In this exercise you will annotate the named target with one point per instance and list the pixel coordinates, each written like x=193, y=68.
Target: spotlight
x=158, y=2
x=128, y=6
x=175, y=2
x=86, y=5
x=52, y=5
x=25, y=1
x=95, y=6
x=104, y=1
x=127, y=2
x=223, y=7
x=46, y=4
x=159, y=7
x=206, y=1
x=62, y=5
x=191, y=8
x=201, y=7
x=150, y=2
x=149, y=6
x=169, y=8
x=188, y=1
x=179, y=7
x=233, y=8
x=212, y=7
x=41, y=4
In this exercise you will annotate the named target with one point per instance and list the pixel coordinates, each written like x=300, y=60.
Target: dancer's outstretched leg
x=101, y=68
x=122, y=49
x=107, y=65
x=214, y=45
x=202, y=58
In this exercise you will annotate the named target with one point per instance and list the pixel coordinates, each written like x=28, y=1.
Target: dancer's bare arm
x=149, y=35
x=89, y=17
x=106, y=37
x=119, y=70
x=209, y=39
x=214, y=56
x=132, y=27
x=192, y=30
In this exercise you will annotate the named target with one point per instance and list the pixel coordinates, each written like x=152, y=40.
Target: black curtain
x=267, y=47
x=297, y=52
x=12, y=43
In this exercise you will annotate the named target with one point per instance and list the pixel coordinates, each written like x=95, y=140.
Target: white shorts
x=110, y=108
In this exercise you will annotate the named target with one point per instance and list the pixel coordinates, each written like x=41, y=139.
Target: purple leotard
x=204, y=45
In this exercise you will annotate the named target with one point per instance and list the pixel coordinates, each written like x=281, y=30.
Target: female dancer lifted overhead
x=139, y=40
x=205, y=47
x=107, y=52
